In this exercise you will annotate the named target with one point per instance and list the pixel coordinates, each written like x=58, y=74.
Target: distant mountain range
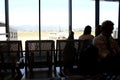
x=34, y=28
x=25, y=27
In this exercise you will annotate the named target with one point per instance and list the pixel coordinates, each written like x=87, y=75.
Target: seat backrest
x=39, y=50
x=88, y=57
x=83, y=44
x=11, y=51
x=61, y=45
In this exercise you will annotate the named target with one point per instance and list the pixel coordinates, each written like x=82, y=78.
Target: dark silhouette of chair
x=83, y=44
x=88, y=57
x=39, y=54
x=11, y=57
x=59, y=56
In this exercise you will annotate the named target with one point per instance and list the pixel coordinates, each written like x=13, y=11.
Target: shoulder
x=80, y=37
x=92, y=36
x=99, y=38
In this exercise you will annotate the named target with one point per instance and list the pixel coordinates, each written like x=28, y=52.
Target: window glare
x=109, y=11
x=83, y=15
x=54, y=19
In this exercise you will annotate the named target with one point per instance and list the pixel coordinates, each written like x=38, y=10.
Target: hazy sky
x=55, y=12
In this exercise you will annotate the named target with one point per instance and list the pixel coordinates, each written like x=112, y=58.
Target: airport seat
x=11, y=57
x=88, y=57
x=39, y=54
x=60, y=54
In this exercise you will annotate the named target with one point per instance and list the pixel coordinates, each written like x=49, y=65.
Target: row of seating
x=11, y=58
x=38, y=54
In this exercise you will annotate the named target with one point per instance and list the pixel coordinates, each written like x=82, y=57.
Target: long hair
x=87, y=30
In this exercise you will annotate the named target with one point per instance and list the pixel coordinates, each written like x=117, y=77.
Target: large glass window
x=109, y=11
x=24, y=19
x=54, y=19
x=2, y=20
x=83, y=14
x=2, y=11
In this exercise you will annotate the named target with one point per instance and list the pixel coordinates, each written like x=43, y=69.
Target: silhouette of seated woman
x=87, y=33
x=69, y=54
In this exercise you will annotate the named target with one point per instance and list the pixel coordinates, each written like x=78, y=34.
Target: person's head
x=107, y=28
x=87, y=30
x=98, y=30
x=71, y=35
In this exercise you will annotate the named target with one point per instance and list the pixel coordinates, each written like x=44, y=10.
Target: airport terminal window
x=83, y=13
x=2, y=20
x=2, y=11
x=109, y=11
x=54, y=19
x=24, y=18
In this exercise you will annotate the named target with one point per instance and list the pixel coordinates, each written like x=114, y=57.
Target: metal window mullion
x=97, y=9
x=70, y=16
x=7, y=18
x=119, y=22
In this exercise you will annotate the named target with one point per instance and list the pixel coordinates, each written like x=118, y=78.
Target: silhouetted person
x=85, y=41
x=97, y=30
x=87, y=33
x=69, y=53
x=108, y=49
x=87, y=52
